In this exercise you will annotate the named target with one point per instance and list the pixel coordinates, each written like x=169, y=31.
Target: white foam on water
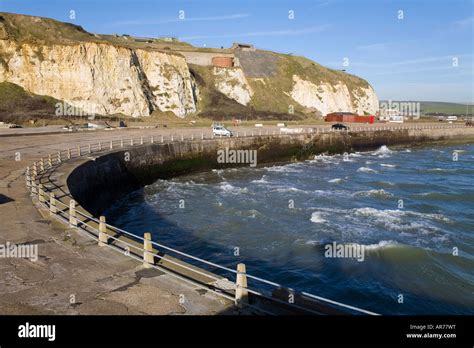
x=376, y=193
x=226, y=187
x=437, y=169
x=355, y=154
x=336, y=159
x=289, y=189
x=253, y=213
x=262, y=180
x=397, y=218
x=287, y=168
x=317, y=218
x=388, y=165
x=383, y=150
x=367, y=170
x=336, y=181
x=383, y=244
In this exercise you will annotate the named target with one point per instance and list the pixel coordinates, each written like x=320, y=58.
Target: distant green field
x=429, y=107
x=446, y=108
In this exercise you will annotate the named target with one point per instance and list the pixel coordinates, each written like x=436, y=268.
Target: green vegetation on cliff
x=18, y=105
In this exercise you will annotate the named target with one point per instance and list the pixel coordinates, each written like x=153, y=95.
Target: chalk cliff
x=107, y=74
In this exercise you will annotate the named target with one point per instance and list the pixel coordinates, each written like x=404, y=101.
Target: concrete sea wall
x=97, y=183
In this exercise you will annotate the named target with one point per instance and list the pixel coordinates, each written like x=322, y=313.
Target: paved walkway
x=72, y=274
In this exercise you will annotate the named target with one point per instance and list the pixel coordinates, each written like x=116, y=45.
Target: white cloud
x=464, y=23
x=283, y=32
x=456, y=70
x=373, y=47
x=175, y=20
x=447, y=59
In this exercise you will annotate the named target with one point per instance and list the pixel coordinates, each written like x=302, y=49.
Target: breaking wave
x=367, y=170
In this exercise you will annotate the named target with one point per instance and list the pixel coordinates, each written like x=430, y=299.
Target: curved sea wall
x=98, y=182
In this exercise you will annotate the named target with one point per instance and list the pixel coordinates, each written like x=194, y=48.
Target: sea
x=409, y=210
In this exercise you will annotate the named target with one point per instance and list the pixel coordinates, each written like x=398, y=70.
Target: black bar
x=224, y=330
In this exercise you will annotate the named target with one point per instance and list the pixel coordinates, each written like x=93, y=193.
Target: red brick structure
x=223, y=62
x=349, y=117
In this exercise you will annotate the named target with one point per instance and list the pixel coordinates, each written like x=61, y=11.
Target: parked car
x=339, y=126
x=218, y=130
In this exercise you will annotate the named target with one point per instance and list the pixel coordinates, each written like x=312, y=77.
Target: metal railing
x=70, y=214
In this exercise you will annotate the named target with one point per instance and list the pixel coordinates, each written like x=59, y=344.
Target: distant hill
x=441, y=108
x=428, y=107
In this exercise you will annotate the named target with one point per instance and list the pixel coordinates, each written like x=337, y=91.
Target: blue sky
x=424, y=53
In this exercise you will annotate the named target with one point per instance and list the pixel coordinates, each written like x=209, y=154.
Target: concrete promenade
x=72, y=274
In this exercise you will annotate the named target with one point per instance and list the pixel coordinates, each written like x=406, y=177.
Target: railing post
x=148, y=258
x=172, y=137
x=28, y=178
x=152, y=140
x=182, y=137
x=52, y=203
x=202, y=136
x=79, y=150
x=35, y=169
x=141, y=140
x=41, y=165
x=41, y=193
x=59, y=157
x=111, y=144
x=241, y=293
x=90, y=148
x=72, y=213
x=162, y=139
x=33, y=185
x=131, y=141
x=50, y=161
x=192, y=136
x=100, y=146
x=121, y=142
x=68, y=153
x=102, y=232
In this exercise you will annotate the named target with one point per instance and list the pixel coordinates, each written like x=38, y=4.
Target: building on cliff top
x=243, y=47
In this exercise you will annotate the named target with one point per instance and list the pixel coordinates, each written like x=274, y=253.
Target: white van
x=396, y=119
x=451, y=118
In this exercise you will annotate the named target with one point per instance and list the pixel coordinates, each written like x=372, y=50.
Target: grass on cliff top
x=47, y=31
x=25, y=28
